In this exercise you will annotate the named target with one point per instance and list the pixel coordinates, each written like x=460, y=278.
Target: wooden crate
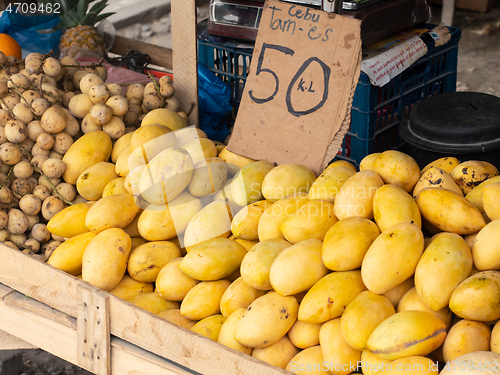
x=59, y=313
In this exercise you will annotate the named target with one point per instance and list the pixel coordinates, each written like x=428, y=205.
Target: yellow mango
x=285, y=180
x=122, y=165
x=153, y=303
x=475, y=196
x=166, y=221
x=478, y=297
x=467, y=336
x=256, y=264
x=278, y=354
x=449, y=211
x=355, y=197
x=311, y=221
x=413, y=365
x=228, y=330
x=238, y=295
x=304, y=335
x=165, y=117
x=477, y=363
x=398, y=169
x=189, y=134
x=203, y=299
x=372, y=363
x=407, y=333
x=93, y=180
x=341, y=164
x=366, y=163
x=159, y=184
x=225, y=194
x=213, y=259
x=471, y=173
x=266, y=320
x=436, y=177
x=245, y=223
x=208, y=177
x=412, y=301
x=173, y=284
x=392, y=257
x=273, y=217
x=129, y=288
x=362, y=315
x=146, y=261
x=137, y=241
x=246, y=187
x=68, y=255
x=309, y=361
x=234, y=161
x=495, y=338
x=447, y=164
x=395, y=294
x=212, y=221
x=486, y=248
x=174, y=316
x=210, y=326
x=105, y=258
x=328, y=184
x=346, y=243
x=445, y=263
x=247, y=244
x=297, y=268
x=151, y=140
x=113, y=211
x=89, y=149
x=343, y=359
x=120, y=145
x=115, y=186
x=70, y=221
x=392, y=205
x=328, y=298
x=133, y=229
x=491, y=199
x=200, y=149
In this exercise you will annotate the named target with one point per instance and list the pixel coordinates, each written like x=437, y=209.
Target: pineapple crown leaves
x=75, y=12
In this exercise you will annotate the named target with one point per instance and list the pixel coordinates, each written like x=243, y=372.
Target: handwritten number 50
x=326, y=73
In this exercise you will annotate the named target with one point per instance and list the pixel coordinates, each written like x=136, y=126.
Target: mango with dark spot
x=407, y=333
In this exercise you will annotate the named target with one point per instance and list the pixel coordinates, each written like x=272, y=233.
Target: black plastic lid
x=461, y=122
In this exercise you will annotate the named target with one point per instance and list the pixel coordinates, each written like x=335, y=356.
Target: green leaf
x=103, y=16
x=82, y=8
x=98, y=7
x=88, y=18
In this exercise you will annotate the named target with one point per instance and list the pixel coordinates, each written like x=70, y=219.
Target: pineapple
x=78, y=21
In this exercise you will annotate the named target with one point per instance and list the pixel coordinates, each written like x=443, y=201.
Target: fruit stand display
x=133, y=244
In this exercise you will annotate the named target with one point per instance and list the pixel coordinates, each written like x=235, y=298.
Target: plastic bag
x=213, y=101
x=33, y=33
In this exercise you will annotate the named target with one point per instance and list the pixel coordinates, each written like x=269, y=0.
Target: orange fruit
x=9, y=46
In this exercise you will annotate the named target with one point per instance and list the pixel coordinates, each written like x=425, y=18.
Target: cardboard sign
x=296, y=97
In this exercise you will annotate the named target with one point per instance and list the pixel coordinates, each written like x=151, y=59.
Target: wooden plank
x=181, y=346
x=161, y=56
x=184, y=57
x=4, y=291
x=134, y=360
x=38, y=280
x=9, y=342
x=22, y=302
x=93, y=330
x=39, y=330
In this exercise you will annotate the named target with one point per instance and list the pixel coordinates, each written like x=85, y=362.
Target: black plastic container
x=465, y=125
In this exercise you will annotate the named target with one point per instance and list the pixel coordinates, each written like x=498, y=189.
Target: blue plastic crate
x=376, y=111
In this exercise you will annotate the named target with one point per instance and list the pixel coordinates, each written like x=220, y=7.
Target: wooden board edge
x=9, y=342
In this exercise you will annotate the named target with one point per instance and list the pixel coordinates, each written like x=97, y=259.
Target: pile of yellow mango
x=318, y=275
